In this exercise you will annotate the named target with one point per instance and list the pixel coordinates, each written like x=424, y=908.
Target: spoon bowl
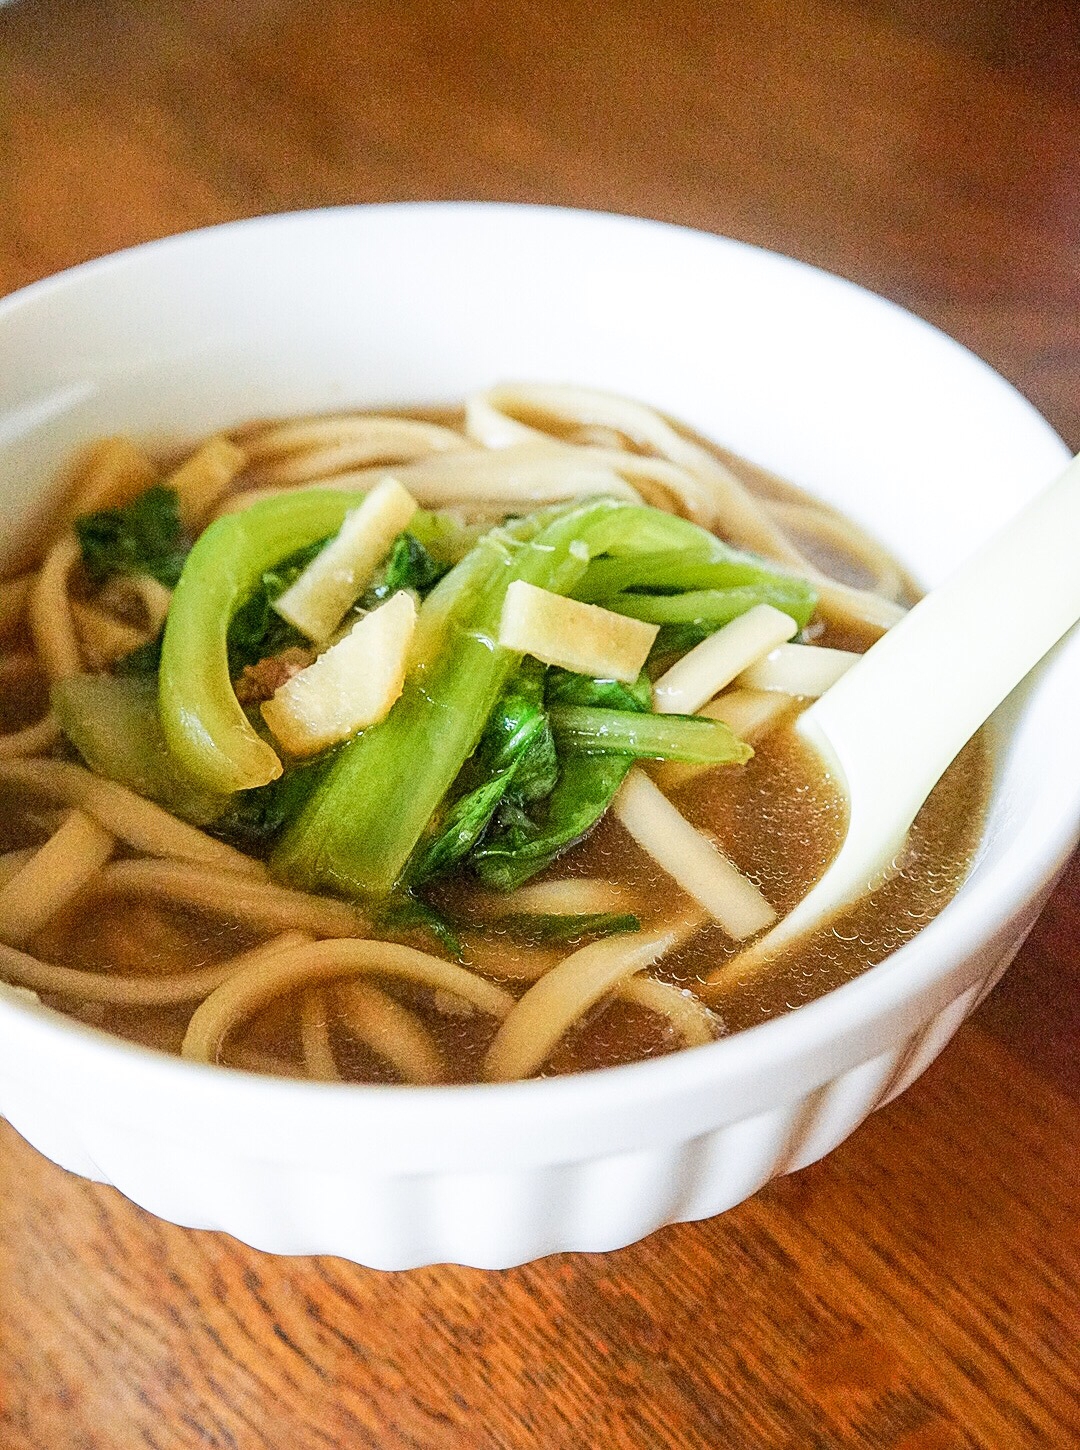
x=890, y=727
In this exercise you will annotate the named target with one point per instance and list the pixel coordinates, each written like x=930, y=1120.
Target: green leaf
x=709, y=609
x=518, y=737
x=564, y=688
x=112, y=721
x=465, y=822
x=712, y=565
x=522, y=846
x=255, y=818
x=521, y=842
x=409, y=912
x=256, y=629
x=408, y=566
x=143, y=537
x=517, y=764
x=648, y=737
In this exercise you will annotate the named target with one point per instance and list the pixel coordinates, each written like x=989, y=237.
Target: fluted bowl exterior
x=849, y=396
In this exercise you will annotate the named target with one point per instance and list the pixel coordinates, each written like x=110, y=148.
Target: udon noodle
x=175, y=888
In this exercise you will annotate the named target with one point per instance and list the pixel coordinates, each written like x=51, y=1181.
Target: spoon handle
x=889, y=728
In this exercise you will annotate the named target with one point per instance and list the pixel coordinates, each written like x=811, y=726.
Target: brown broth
x=779, y=817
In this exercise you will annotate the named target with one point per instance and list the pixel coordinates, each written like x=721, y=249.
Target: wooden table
x=918, y=1288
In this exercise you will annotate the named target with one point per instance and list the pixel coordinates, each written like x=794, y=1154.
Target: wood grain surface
x=917, y=1290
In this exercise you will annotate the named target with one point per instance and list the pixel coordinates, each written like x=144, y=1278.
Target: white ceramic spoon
x=889, y=727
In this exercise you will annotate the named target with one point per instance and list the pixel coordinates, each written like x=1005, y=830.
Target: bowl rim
x=1031, y=859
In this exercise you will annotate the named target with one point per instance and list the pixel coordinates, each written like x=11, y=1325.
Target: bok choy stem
x=359, y=829
x=204, y=725
x=650, y=737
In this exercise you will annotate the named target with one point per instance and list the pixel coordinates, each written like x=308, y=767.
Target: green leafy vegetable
x=517, y=760
x=709, y=564
x=256, y=629
x=253, y=819
x=518, y=737
x=112, y=721
x=708, y=609
x=364, y=822
x=564, y=688
x=409, y=912
x=649, y=737
x=143, y=537
x=524, y=842
x=408, y=566
x=522, y=845
x=465, y=822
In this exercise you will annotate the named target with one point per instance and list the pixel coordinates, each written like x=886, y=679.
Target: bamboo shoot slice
x=715, y=662
x=317, y=601
x=580, y=637
x=352, y=685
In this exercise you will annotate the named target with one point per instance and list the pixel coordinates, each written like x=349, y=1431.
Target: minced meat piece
x=261, y=681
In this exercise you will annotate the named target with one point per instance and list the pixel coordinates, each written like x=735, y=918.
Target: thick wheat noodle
x=385, y=439
x=802, y=670
x=155, y=597
x=114, y=471
x=550, y=1007
x=120, y=990
x=49, y=611
x=31, y=740
x=534, y=487
x=837, y=533
x=201, y=480
x=700, y=674
x=327, y=459
x=53, y=877
x=104, y=639
x=391, y=1031
x=138, y=595
x=517, y=478
x=256, y=903
x=320, y=962
x=732, y=503
x=12, y=862
x=691, y=858
x=315, y=1048
x=141, y=824
x=659, y=482
x=492, y=428
x=14, y=594
x=691, y=1019
x=719, y=500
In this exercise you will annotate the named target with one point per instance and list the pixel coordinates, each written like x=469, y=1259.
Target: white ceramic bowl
x=835, y=388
